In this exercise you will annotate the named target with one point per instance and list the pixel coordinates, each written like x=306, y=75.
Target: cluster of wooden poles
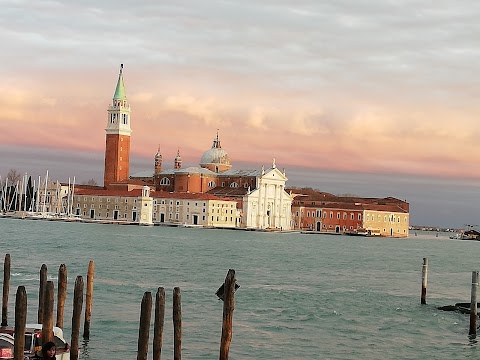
x=146, y=312
x=46, y=305
x=473, y=298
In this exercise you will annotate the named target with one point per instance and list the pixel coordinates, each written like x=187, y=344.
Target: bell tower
x=117, y=141
x=158, y=167
x=178, y=161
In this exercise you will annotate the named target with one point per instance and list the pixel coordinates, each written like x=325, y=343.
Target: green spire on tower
x=120, y=90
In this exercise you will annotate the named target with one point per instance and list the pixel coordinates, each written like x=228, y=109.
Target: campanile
x=117, y=141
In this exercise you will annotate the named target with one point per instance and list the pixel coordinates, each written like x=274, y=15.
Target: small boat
x=33, y=340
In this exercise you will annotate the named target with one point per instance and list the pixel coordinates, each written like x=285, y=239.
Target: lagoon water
x=300, y=297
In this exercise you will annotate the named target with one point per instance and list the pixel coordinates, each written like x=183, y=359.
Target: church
x=254, y=199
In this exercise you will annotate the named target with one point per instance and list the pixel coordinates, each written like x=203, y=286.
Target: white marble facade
x=269, y=205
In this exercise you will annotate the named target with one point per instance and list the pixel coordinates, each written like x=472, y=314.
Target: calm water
x=301, y=296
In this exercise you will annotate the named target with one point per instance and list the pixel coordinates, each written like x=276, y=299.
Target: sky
x=341, y=93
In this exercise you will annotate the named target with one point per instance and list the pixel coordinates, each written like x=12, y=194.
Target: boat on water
x=33, y=340
x=363, y=232
x=466, y=235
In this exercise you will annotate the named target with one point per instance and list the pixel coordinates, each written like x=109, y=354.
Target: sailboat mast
x=45, y=194
x=73, y=191
x=5, y=197
x=20, y=193
x=32, y=202
x=68, y=198
x=37, y=203
x=25, y=200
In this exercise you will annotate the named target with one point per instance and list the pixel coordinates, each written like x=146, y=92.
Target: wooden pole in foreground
x=88, y=300
x=177, y=324
x=144, y=328
x=159, y=322
x=62, y=294
x=473, y=305
x=228, y=307
x=41, y=292
x=424, y=281
x=6, y=289
x=47, y=325
x=77, y=313
x=20, y=323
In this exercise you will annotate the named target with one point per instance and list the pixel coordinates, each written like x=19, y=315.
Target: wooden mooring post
x=47, y=325
x=424, y=281
x=158, y=324
x=6, y=289
x=62, y=294
x=144, y=328
x=88, y=300
x=77, y=313
x=228, y=307
x=177, y=324
x=473, y=305
x=20, y=323
x=41, y=292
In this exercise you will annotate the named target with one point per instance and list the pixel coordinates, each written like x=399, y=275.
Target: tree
x=90, y=182
x=6, y=202
x=13, y=176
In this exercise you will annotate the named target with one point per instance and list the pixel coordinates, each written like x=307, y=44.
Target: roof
x=240, y=172
x=185, y=195
x=120, y=89
x=143, y=174
x=228, y=191
x=109, y=192
x=194, y=170
x=153, y=194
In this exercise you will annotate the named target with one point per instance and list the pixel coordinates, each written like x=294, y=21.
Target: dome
x=215, y=155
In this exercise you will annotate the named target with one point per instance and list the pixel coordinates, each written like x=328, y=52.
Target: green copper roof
x=120, y=90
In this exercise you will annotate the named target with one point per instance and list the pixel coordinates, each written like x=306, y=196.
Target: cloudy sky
x=378, y=87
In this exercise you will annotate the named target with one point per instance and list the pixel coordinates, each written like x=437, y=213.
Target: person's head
x=48, y=350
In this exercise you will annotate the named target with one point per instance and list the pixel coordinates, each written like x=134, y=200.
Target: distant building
x=324, y=212
x=217, y=195
x=229, y=198
x=148, y=207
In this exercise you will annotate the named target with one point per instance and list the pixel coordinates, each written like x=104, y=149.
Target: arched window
x=165, y=181
x=211, y=184
x=234, y=185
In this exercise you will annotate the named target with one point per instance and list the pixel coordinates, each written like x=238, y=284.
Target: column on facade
x=259, y=211
x=265, y=207
x=276, y=207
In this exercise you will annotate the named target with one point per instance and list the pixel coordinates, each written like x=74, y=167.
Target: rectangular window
x=338, y=215
x=359, y=216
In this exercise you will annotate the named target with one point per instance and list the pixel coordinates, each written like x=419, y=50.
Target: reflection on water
x=84, y=353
